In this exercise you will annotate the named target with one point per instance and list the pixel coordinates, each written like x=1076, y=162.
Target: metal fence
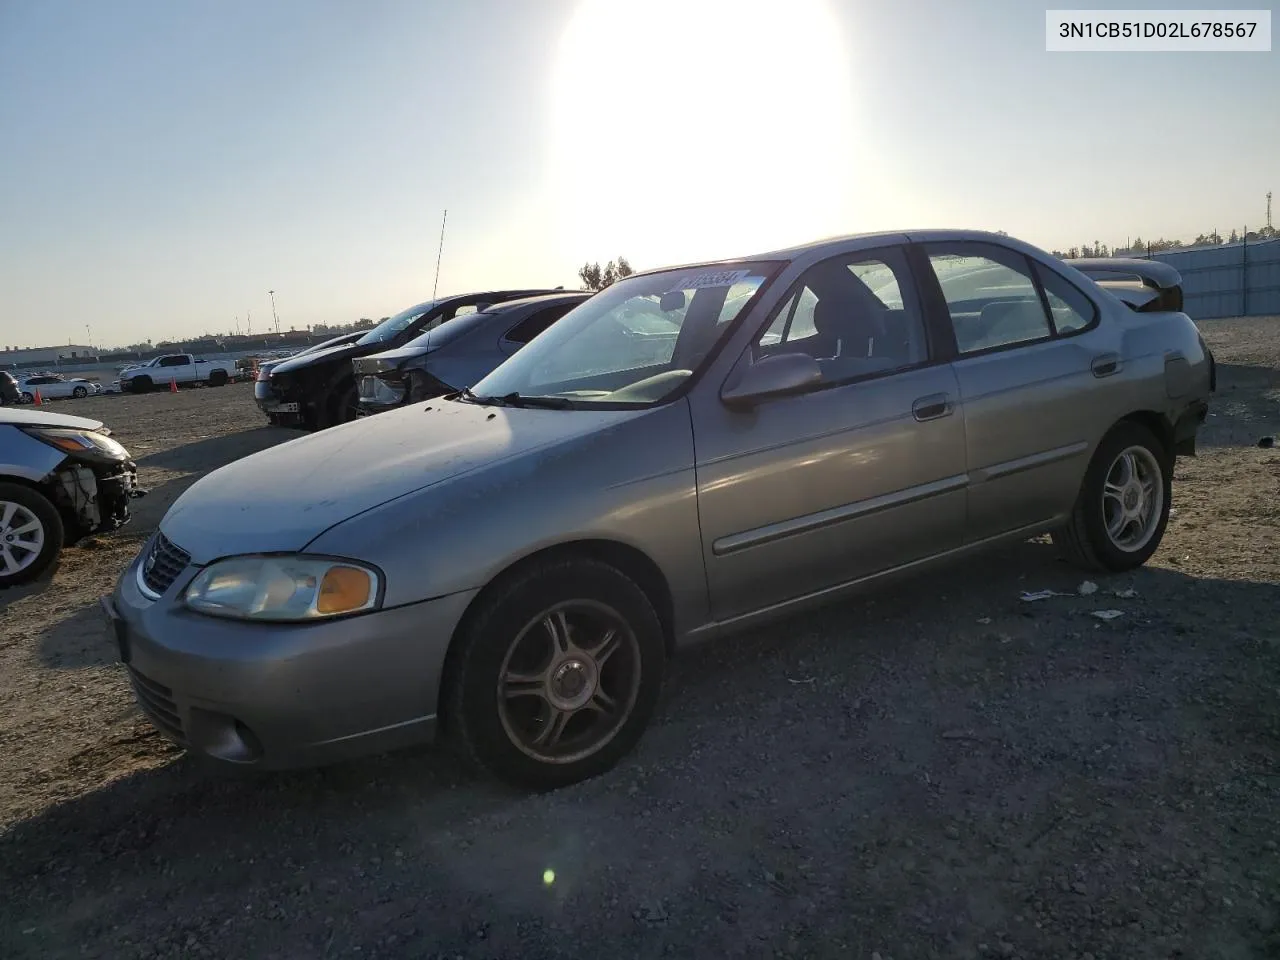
x=1232, y=280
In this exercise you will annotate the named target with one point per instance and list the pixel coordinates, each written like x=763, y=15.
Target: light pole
x=272, y=295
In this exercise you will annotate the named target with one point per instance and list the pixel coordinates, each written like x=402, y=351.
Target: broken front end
x=94, y=481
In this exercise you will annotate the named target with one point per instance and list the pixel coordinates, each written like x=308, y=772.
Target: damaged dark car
x=61, y=479
x=456, y=354
x=317, y=389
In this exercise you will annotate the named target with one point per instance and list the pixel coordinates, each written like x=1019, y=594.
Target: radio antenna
x=439, y=253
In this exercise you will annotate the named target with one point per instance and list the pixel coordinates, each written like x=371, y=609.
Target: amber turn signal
x=343, y=589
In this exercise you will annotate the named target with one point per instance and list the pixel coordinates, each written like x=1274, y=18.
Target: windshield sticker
x=710, y=278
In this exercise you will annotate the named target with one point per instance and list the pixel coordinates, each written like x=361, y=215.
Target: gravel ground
x=941, y=771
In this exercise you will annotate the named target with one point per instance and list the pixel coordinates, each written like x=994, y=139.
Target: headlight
x=80, y=443
x=283, y=588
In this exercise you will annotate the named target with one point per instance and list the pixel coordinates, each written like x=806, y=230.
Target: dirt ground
x=941, y=771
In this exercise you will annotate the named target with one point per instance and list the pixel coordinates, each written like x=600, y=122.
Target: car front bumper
x=279, y=696
x=276, y=402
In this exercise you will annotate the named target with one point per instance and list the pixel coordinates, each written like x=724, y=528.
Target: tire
x=79, y=393
x=141, y=385
x=27, y=397
x=218, y=378
x=340, y=407
x=1085, y=539
x=508, y=637
x=20, y=507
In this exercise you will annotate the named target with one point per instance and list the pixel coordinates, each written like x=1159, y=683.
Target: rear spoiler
x=1145, y=285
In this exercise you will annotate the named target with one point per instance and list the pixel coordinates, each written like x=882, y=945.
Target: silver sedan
x=689, y=452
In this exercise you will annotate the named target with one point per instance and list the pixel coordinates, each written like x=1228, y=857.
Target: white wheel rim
x=1132, y=499
x=21, y=538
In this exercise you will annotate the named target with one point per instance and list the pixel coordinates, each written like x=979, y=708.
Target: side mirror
x=778, y=376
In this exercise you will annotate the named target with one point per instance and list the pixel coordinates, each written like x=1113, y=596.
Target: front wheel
x=79, y=393
x=555, y=679
x=28, y=397
x=343, y=406
x=140, y=385
x=31, y=534
x=1122, y=510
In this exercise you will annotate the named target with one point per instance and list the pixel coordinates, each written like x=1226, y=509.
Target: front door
x=861, y=474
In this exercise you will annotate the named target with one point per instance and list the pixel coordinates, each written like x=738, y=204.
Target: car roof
x=557, y=297
x=817, y=249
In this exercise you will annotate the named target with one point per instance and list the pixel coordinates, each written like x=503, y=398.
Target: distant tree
x=1234, y=238
x=594, y=277
x=1073, y=253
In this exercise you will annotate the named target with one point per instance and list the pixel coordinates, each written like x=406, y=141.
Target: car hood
x=327, y=355
x=284, y=497
x=389, y=359
x=38, y=418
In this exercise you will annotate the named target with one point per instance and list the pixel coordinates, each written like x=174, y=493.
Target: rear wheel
x=555, y=679
x=1122, y=510
x=31, y=534
x=218, y=378
x=27, y=397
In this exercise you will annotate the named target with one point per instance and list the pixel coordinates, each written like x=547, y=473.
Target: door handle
x=933, y=407
x=1104, y=365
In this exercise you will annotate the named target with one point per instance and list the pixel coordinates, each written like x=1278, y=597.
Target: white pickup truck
x=182, y=368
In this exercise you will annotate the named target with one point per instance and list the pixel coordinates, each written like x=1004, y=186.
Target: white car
x=52, y=386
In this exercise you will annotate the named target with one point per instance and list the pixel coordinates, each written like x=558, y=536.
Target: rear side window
x=1071, y=309
x=991, y=296
x=535, y=323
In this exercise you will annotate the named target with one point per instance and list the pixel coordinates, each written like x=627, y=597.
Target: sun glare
x=689, y=129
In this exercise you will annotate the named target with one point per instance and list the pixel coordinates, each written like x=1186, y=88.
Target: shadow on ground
x=210, y=453
x=1245, y=408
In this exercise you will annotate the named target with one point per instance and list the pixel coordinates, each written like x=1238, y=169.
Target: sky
x=164, y=165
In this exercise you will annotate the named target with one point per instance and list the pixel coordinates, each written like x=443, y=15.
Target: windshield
x=636, y=341
x=389, y=328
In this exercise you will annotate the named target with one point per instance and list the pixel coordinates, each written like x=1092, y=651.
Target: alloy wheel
x=1132, y=498
x=21, y=538
x=569, y=681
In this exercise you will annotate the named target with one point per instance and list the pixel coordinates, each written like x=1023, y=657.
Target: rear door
x=1032, y=367
x=863, y=473
x=56, y=387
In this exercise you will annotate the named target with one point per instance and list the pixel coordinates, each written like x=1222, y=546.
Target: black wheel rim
x=569, y=681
